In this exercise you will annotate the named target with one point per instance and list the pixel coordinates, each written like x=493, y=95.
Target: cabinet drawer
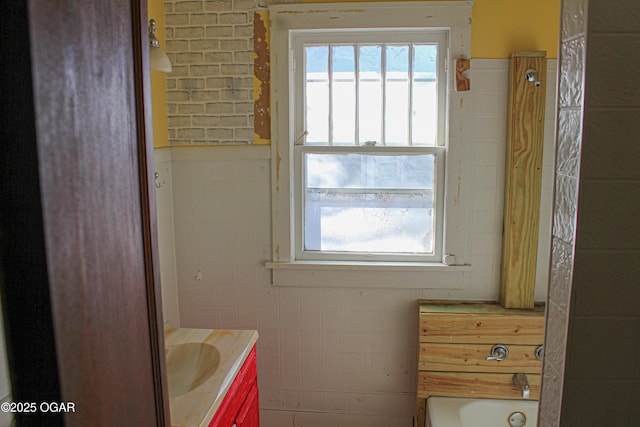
x=487, y=329
x=472, y=358
x=481, y=385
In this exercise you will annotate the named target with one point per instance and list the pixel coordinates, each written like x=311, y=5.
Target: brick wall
x=210, y=90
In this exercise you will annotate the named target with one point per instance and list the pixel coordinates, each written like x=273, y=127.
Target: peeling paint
x=261, y=79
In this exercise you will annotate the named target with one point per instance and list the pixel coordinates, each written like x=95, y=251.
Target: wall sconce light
x=158, y=60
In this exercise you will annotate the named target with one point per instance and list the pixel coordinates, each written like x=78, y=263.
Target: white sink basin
x=190, y=365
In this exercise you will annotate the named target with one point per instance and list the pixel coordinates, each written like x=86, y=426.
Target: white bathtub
x=459, y=412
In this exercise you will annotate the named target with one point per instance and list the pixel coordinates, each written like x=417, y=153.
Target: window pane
x=317, y=94
x=369, y=203
x=343, y=95
x=424, y=111
x=370, y=93
x=397, y=95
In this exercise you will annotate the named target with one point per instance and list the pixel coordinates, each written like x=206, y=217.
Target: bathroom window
x=364, y=132
x=369, y=112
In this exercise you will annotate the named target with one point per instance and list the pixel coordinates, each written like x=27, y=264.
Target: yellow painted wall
x=501, y=27
x=159, y=81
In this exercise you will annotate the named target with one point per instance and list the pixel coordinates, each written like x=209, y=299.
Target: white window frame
x=397, y=36
x=289, y=268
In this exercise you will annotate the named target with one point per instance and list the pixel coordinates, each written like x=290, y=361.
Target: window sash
x=390, y=37
x=299, y=204
x=385, y=37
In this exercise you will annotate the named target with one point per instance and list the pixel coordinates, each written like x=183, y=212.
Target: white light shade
x=158, y=60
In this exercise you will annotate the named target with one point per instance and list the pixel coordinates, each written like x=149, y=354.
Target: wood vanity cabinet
x=455, y=339
x=239, y=408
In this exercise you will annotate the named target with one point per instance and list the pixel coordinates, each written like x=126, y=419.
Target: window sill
x=396, y=275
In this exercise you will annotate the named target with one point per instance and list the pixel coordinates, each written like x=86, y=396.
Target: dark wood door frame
x=66, y=331
x=148, y=203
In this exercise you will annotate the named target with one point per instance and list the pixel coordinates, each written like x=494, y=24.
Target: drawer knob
x=498, y=352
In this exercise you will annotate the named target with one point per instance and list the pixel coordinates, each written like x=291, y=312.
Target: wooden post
x=523, y=177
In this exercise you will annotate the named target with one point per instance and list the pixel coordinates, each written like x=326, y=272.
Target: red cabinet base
x=239, y=407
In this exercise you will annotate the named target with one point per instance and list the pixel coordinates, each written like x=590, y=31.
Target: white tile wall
x=339, y=357
x=166, y=243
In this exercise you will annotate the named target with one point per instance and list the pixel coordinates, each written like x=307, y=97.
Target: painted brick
x=179, y=121
x=233, y=121
x=243, y=107
x=242, y=83
x=188, y=6
x=177, y=19
x=188, y=33
x=203, y=18
x=218, y=57
x=190, y=108
x=189, y=58
x=217, y=5
x=175, y=96
x=219, y=107
x=233, y=18
x=244, y=4
x=234, y=70
x=177, y=46
x=205, y=95
x=179, y=70
x=220, y=133
x=243, y=58
x=242, y=133
x=231, y=94
x=233, y=45
x=209, y=92
x=190, y=83
x=219, y=31
x=206, y=121
x=219, y=82
x=243, y=31
x=205, y=70
x=202, y=45
x=190, y=133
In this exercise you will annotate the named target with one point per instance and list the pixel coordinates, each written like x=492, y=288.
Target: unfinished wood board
x=472, y=358
x=477, y=385
x=523, y=178
x=488, y=329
